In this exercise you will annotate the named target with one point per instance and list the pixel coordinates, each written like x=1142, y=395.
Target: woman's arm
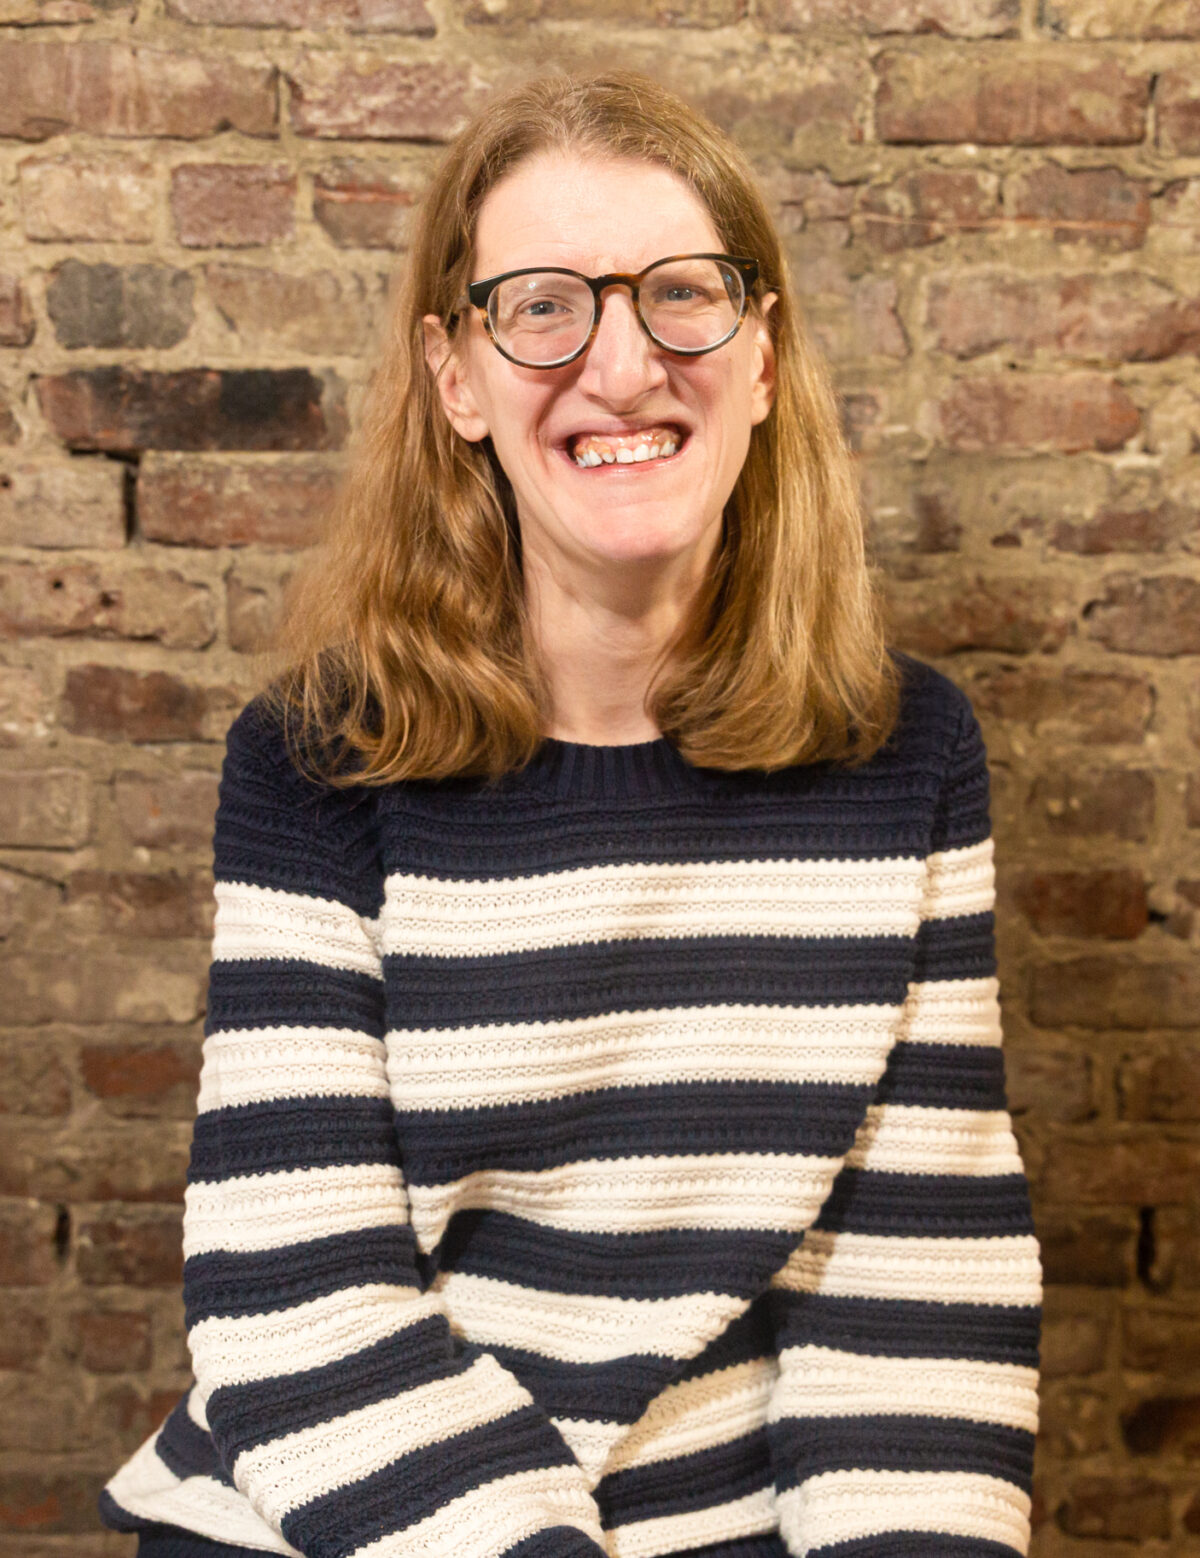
x=338, y=1398
x=903, y=1419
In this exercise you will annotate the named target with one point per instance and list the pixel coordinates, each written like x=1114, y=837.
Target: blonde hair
x=406, y=642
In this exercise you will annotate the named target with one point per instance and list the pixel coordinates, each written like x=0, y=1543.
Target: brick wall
x=993, y=207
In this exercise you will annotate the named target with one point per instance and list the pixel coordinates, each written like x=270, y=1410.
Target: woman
x=601, y=1143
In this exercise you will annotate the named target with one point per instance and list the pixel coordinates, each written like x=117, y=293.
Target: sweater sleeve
x=902, y=1422
x=339, y=1400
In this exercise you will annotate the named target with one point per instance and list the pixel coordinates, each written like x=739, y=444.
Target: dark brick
x=1066, y=412
x=1102, y=803
x=1160, y=1084
x=1087, y=1248
x=926, y=206
x=1072, y=705
x=1120, y=1170
x=42, y=1503
x=153, y=1080
x=126, y=409
x=1177, y=101
x=1102, y=207
x=1011, y=615
x=139, y=903
x=122, y=705
x=23, y=1335
x=27, y=1247
x=141, y=1249
x=1156, y=616
x=1163, y=1425
x=1111, y=903
x=167, y=811
x=112, y=1341
x=1116, y=1507
x=119, y=305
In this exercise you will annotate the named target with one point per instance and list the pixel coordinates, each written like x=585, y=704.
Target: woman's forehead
x=591, y=213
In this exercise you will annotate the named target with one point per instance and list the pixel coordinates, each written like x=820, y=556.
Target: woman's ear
x=453, y=384
x=762, y=384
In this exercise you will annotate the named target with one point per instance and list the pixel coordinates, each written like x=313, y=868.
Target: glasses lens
x=541, y=317
x=691, y=304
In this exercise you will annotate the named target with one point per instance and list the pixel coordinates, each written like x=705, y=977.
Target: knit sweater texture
x=611, y=1159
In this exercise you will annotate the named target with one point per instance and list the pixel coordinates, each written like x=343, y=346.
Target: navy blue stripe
x=960, y=947
x=228, y=1283
x=912, y=1544
x=743, y=1340
x=664, y=1263
x=907, y=1328
x=805, y=1447
x=243, y=1416
x=936, y=1076
x=557, y=983
x=187, y=1450
x=557, y=1542
x=617, y=1122
x=269, y=993
x=292, y=1133
x=418, y=1484
x=721, y=1473
x=938, y=1206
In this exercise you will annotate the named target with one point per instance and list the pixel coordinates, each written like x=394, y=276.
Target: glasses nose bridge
x=602, y=284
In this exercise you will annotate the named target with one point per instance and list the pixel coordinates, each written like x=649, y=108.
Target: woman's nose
x=622, y=362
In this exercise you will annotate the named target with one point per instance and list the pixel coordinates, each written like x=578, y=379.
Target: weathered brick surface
x=991, y=212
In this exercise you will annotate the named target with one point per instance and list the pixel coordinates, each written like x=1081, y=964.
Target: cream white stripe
x=291, y=1206
x=487, y=1520
x=499, y=1063
x=866, y=1265
x=250, y=1066
x=698, y=1414
x=236, y=1350
x=824, y=1382
x=841, y=1506
x=590, y=1441
x=195, y=1408
x=913, y=1139
x=433, y=917
x=960, y=881
x=952, y=1011
x=253, y=923
x=146, y=1487
x=284, y=1473
x=752, y=1515
x=638, y=1195
x=581, y=1327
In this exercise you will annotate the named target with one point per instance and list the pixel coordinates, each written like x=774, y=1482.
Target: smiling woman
x=601, y=1149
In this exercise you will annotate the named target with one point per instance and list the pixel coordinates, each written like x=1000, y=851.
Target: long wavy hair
x=405, y=645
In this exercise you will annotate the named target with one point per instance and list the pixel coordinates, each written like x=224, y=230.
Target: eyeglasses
x=546, y=317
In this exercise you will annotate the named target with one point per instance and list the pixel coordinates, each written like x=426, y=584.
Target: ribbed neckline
x=638, y=770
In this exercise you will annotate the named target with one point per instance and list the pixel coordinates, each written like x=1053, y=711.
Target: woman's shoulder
x=933, y=708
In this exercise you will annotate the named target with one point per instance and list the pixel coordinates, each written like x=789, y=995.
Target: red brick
x=406, y=16
x=119, y=306
x=112, y=1341
x=124, y=409
x=52, y=86
x=1160, y=1341
x=153, y=1080
x=1116, y=1507
x=1156, y=528
x=318, y=313
x=16, y=315
x=122, y=705
x=1067, y=412
x=167, y=811
x=1074, y=1334
x=1048, y=1083
x=232, y=205
x=1120, y=1171
x=363, y=205
x=1014, y=616
x=24, y=1334
x=247, y=502
x=69, y=199
x=35, y=1502
x=1111, y=903
x=1160, y=1084
x=1157, y=616
x=1099, y=206
x=1071, y=705
x=1192, y=801
x=142, y=1249
x=1177, y=100
x=135, y=1415
x=1103, y=993
x=1010, y=95
x=1166, y=1425
x=144, y=904
x=98, y=601
x=34, y=1079
x=955, y=18
x=861, y=323
x=80, y=503
x=368, y=97
x=1127, y=316
x=27, y=1251
x=99, y=986
x=49, y=809
x=926, y=206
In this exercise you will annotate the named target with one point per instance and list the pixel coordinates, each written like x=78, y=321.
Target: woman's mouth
x=647, y=443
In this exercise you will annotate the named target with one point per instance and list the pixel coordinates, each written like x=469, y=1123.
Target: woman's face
x=599, y=215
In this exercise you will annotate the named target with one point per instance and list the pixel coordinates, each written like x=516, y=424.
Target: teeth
x=623, y=455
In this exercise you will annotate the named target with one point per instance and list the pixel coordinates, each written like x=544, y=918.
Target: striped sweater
x=612, y=1159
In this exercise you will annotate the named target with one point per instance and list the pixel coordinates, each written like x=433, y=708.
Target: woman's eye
x=541, y=308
